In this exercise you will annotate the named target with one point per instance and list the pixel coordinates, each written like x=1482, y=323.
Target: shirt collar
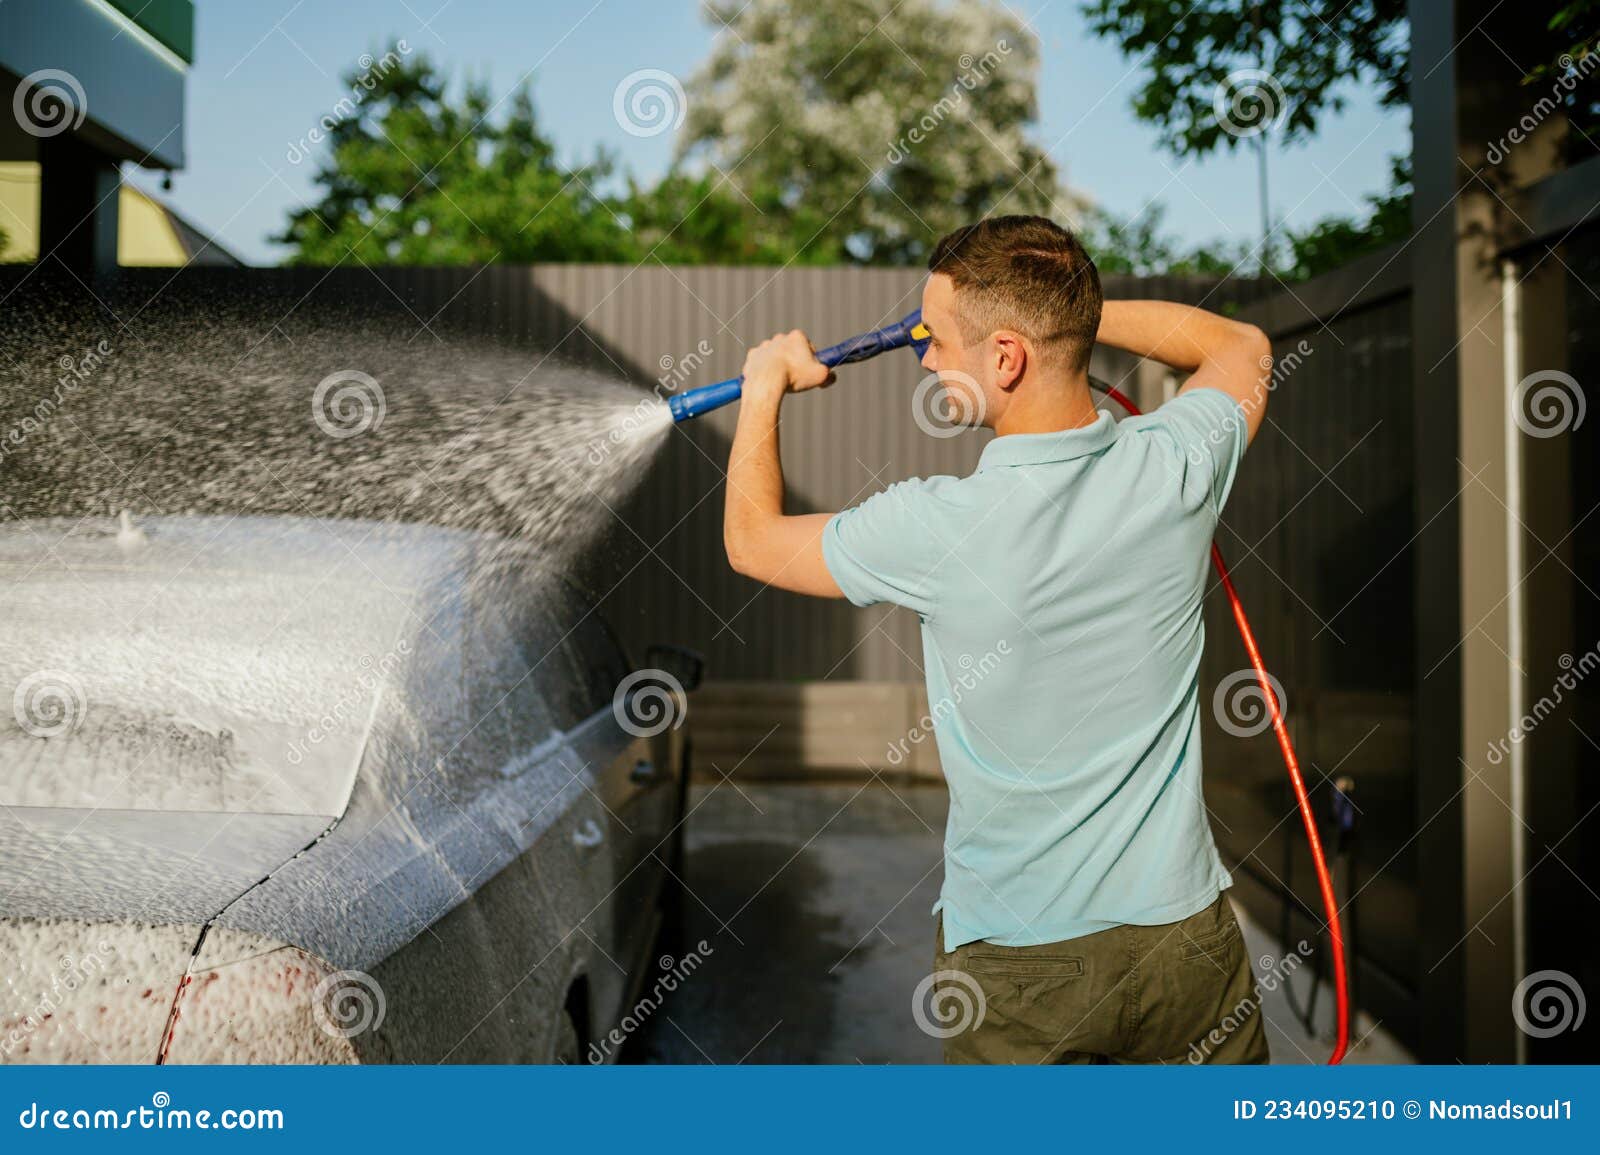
x=1037, y=448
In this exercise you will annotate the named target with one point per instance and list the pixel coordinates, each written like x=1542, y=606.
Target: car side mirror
x=684, y=664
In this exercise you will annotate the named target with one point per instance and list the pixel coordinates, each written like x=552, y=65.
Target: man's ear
x=1010, y=359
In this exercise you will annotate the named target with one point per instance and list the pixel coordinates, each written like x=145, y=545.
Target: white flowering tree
x=861, y=130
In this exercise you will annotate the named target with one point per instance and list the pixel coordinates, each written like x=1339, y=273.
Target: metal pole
x=1516, y=637
x=1261, y=158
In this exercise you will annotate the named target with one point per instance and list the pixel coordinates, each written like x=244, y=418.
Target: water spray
x=911, y=332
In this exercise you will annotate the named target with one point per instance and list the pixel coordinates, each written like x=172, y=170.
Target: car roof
x=194, y=668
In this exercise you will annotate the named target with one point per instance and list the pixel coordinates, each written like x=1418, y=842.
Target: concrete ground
x=814, y=902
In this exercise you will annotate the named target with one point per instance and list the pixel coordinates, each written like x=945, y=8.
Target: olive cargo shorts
x=1178, y=993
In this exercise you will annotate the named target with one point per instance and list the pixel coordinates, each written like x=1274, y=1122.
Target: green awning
x=169, y=21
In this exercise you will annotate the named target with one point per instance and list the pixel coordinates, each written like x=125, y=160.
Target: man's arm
x=762, y=542
x=1217, y=353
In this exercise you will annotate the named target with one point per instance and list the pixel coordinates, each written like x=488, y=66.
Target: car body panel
x=351, y=744
x=87, y=992
x=183, y=866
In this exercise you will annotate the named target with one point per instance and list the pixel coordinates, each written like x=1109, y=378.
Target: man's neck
x=1053, y=408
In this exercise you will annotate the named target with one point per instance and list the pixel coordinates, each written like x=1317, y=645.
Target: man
x=1059, y=589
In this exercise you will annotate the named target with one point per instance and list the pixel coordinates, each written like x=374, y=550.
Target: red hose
x=1341, y=982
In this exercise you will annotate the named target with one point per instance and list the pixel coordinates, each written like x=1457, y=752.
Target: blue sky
x=267, y=71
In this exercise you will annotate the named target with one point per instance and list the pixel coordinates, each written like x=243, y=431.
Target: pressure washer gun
x=909, y=331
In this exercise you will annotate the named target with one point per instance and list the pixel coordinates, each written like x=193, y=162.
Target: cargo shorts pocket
x=1022, y=966
x=1211, y=935
x=1216, y=946
x=1032, y=993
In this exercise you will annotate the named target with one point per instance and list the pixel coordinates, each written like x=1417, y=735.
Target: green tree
x=1139, y=247
x=1188, y=54
x=687, y=219
x=414, y=176
x=1571, y=38
x=1335, y=240
x=862, y=130
x=1226, y=71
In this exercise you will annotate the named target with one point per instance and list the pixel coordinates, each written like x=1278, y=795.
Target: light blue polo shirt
x=1059, y=589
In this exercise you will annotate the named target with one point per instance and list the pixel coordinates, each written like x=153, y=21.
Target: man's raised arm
x=762, y=542
x=1217, y=353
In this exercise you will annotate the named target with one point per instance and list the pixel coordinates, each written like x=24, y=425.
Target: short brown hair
x=1027, y=274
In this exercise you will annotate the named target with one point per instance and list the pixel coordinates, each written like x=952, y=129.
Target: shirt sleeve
x=889, y=548
x=1205, y=431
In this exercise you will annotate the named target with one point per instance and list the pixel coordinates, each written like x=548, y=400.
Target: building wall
x=146, y=233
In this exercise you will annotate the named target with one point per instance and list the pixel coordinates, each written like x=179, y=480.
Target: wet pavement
x=814, y=902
